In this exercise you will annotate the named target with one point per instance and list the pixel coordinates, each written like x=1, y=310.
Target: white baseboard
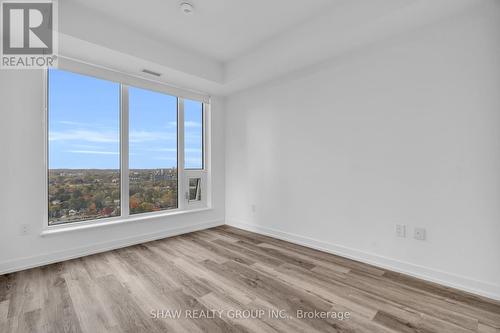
x=50, y=258
x=450, y=280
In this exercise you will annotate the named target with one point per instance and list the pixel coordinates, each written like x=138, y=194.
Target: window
x=193, y=129
x=84, y=148
x=194, y=189
x=153, y=151
x=194, y=153
x=114, y=150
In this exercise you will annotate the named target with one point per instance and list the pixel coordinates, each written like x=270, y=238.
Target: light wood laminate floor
x=239, y=274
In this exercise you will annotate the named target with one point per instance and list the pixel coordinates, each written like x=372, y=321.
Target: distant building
x=161, y=175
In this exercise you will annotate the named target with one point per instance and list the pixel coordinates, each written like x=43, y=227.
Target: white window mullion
x=181, y=197
x=207, y=146
x=124, y=148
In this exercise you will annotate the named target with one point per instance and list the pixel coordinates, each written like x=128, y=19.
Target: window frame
x=127, y=143
x=202, y=141
x=197, y=173
x=125, y=80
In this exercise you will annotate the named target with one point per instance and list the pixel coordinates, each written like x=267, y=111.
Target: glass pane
x=83, y=148
x=194, y=189
x=152, y=151
x=193, y=134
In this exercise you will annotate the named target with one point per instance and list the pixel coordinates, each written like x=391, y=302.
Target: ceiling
x=229, y=45
x=220, y=29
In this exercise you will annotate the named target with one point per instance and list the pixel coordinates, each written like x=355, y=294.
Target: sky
x=84, y=122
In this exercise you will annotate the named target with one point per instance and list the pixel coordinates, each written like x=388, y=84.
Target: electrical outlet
x=254, y=208
x=400, y=230
x=24, y=229
x=419, y=234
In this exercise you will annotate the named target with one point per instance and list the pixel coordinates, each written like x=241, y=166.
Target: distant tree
x=146, y=207
x=76, y=194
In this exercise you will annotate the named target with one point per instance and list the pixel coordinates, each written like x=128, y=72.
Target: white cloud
x=109, y=136
x=173, y=150
x=163, y=150
x=164, y=158
x=145, y=136
x=192, y=150
x=187, y=124
x=84, y=135
x=93, y=152
x=86, y=147
x=191, y=124
x=192, y=162
x=67, y=122
x=76, y=123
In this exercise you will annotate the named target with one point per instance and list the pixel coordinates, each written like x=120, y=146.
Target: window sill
x=74, y=226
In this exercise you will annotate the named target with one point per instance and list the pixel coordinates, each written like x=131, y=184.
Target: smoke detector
x=186, y=8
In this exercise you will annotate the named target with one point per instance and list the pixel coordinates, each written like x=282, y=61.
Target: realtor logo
x=28, y=38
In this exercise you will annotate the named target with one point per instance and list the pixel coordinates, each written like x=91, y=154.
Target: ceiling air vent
x=147, y=71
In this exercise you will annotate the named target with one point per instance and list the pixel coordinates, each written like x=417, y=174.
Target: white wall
x=406, y=131
x=23, y=176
